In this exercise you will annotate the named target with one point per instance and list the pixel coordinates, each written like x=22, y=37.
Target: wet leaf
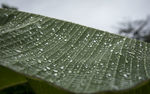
x=59, y=56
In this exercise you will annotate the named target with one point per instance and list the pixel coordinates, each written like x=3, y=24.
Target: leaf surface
x=69, y=56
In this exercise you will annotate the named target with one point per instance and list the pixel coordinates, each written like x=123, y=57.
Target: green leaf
x=58, y=56
x=6, y=74
x=18, y=89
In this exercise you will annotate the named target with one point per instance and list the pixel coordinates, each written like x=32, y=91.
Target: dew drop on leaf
x=125, y=75
x=41, y=49
x=62, y=67
x=55, y=70
x=110, y=45
x=71, y=45
x=71, y=60
x=53, y=29
x=54, y=65
x=46, y=43
x=55, y=74
x=101, y=64
x=41, y=20
x=108, y=75
x=97, y=35
x=18, y=51
x=94, y=41
x=65, y=40
x=139, y=77
x=69, y=71
x=39, y=61
x=48, y=68
x=111, y=50
x=30, y=32
x=44, y=69
x=37, y=39
x=38, y=26
x=49, y=61
x=41, y=33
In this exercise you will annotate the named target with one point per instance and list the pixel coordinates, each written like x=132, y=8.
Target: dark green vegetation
x=5, y=6
x=138, y=29
x=49, y=56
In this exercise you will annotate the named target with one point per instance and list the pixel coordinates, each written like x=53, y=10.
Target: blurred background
x=124, y=17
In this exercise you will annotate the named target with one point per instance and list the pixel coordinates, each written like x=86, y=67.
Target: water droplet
x=140, y=45
x=44, y=69
x=94, y=41
x=31, y=38
x=45, y=58
x=125, y=75
x=68, y=56
x=77, y=66
x=90, y=46
x=101, y=64
x=97, y=34
x=86, y=66
x=53, y=29
x=6, y=14
x=38, y=25
x=62, y=67
x=88, y=35
x=55, y=70
x=110, y=45
x=108, y=75
x=131, y=52
x=39, y=61
x=139, y=77
x=41, y=20
x=41, y=49
x=48, y=68
x=69, y=71
x=15, y=16
x=71, y=60
x=117, y=42
x=41, y=33
x=65, y=40
x=46, y=43
x=71, y=45
x=37, y=39
x=55, y=74
x=18, y=51
x=111, y=50
x=49, y=61
x=124, y=39
x=30, y=32
x=54, y=65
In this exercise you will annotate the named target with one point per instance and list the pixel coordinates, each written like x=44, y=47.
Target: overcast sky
x=100, y=14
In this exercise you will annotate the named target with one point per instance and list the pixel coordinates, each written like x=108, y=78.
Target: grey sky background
x=100, y=14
